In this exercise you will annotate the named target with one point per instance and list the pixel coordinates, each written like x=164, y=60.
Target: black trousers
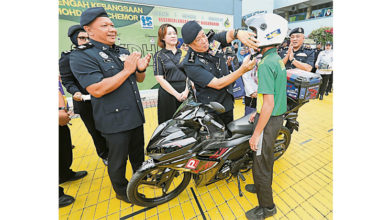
x=263, y=164
x=167, y=104
x=330, y=83
x=61, y=191
x=65, y=153
x=324, y=85
x=86, y=114
x=123, y=145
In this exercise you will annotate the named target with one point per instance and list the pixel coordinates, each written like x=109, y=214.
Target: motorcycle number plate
x=192, y=164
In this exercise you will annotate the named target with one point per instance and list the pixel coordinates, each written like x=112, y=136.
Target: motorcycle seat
x=241, y=126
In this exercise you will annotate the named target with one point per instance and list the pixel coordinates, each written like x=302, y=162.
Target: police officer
x=78, y=36
x=316, y=52
x=206, y=66
x=110, y=75
x=297, y=56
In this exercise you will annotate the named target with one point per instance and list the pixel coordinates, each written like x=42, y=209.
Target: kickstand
x=239, y=175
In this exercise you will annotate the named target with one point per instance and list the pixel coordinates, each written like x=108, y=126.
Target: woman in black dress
x=168, y=71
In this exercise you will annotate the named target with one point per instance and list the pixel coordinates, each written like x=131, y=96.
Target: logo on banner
x=146, y=22
x=192, y=164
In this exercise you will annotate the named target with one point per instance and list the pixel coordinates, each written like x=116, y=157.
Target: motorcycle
x=196, y=144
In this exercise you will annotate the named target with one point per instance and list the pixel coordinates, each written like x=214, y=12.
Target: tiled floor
x=303, y=178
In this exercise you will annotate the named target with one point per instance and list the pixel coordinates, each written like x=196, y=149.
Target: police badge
x=123, y=57
x=104, y=55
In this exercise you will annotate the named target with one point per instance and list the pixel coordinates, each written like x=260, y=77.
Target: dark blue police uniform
x=84, y=108
x=302, y=55
x=201, y=68
x=118, y=115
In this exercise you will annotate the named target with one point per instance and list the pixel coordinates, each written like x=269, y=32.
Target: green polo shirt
x=272, y=80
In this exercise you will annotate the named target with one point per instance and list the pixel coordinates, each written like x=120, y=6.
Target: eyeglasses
x=83, y=38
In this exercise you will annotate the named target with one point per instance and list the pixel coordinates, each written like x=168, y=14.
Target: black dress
x=168, y=65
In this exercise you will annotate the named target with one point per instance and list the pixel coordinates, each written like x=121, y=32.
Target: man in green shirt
x=271, y=30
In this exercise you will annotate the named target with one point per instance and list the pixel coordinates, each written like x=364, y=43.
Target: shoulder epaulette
x=191, y=57
x=121, y=47
x=67, y=52
x=85, y=46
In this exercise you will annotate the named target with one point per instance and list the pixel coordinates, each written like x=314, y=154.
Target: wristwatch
x=293, y=60
x=236, y=32
x=61, y=108
x=137, y=70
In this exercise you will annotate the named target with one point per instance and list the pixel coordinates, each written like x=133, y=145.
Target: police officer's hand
x=77, y=96
x=229, y=61
x=143, y=62
x=248, y=39
x=63, y=117
x=290, y=49
x=247, y=64
x=131, y=62
x=254, y=95
x=291, y=56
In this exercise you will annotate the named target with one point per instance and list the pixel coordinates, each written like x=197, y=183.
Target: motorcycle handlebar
x=217, y=124
x=208, y=118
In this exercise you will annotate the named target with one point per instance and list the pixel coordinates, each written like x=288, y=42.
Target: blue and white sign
x=146, y=22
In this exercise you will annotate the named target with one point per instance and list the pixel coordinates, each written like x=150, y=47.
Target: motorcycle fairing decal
x=192, y=164
x=209, y=164
x=219, y=152
x=205, y=166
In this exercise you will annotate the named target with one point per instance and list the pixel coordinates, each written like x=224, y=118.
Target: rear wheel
x=282, y=142
x=156, y=186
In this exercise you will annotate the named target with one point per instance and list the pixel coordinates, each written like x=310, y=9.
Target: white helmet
x=271, y=29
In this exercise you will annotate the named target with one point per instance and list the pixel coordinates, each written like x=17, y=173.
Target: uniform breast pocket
x=109, y=69
x=301, y=57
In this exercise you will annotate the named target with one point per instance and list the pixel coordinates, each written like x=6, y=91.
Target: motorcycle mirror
x=217, y=107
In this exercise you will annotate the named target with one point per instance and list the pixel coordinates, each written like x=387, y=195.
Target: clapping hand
x=143, y=63
x=131, y=61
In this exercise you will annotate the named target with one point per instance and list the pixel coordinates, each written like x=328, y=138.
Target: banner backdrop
x=137, y=25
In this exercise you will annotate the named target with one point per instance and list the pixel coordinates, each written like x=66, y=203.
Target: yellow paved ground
x=303, y=178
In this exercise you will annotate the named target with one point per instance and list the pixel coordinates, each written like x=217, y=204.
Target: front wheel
x=282, y=142
x=156, y=186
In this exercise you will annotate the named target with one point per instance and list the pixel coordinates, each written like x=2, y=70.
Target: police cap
x=328, y=43
x=189, y=31
x=91, y=14
x=73, y=29
x=297, y=30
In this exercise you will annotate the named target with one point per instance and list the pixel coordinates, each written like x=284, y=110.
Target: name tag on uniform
x=203, y=61
x=214, y=46
x=302, y=55
x=123, y=57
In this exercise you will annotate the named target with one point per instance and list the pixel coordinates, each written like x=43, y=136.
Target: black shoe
x=260, y=213
x=123, y=198
x=76, y=176
x=65, y=200
x=326, y=93
x=321, y=97
x=250, y=188
x=105, y=161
